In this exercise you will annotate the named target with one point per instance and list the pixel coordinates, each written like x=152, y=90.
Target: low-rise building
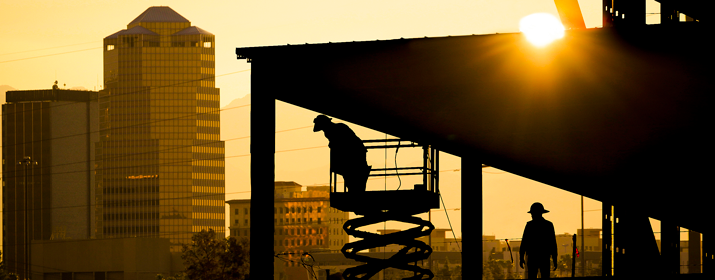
x=140, y=258
x=303, y=222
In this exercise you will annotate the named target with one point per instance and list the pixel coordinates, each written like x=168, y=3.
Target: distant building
x=108, y=259
x=592, y=239
x=438, y=241
x=57, y=129
x=160, y=161
x=303, y=222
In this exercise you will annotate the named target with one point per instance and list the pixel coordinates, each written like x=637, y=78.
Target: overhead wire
x=33, y=57
x=132, y=92
x=56, y=47
x=144, y=90
x=157, y=151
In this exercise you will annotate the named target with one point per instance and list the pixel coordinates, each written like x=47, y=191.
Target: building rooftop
x=193, y=30
x=36, y=95
x=134, y=30
x=159, y=14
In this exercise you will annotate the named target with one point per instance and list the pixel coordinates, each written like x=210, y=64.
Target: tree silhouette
x=212, y=258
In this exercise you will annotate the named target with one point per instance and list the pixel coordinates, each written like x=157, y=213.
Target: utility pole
x=26, y=161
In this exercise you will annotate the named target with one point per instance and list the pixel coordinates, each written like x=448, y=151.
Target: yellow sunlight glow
x=541, y=28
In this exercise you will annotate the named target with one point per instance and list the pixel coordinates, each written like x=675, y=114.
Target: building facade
x=304, y=222
x=57, y=129
x=109, y=259
x=160, y=163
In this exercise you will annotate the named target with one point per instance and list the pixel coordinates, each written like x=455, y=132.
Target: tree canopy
x=212, y=258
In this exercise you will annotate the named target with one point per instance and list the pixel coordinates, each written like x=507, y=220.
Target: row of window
x=305, y=242
x=280, y=210
x=155, y=44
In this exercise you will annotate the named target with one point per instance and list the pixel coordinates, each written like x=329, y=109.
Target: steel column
x=670, y=247
x=263, y=139
x=472, y=210
x=607, y=238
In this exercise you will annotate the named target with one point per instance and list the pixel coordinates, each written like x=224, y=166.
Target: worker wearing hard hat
x=347, y=153
x=538, y=244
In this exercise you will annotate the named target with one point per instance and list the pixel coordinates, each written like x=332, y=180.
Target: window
x=235, y=222
x=318, y=220
x=319, y=209
x=236, y=212
x=245, y=210
x=245, y=222
x=110, y=47
x=298, y=209
x=292, y=209
x=207, y=44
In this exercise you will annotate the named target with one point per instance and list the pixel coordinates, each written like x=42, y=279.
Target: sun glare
x=541, y=28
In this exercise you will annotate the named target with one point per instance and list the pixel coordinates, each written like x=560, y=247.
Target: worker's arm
x=523, y=246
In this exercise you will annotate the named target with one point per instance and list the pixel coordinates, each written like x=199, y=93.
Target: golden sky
x=44, y=41
x=34, y=31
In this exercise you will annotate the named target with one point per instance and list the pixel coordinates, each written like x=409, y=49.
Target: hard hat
x=537, y=208
x=320, y=122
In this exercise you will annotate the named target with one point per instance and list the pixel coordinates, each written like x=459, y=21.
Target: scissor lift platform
x=409, y=201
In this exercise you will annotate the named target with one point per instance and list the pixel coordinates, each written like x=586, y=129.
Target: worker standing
x=348, y=155
x=538, y=244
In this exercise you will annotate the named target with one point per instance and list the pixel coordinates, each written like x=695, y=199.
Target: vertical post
x=573, y=259
x=425, y=155
x=607, y=13
x=472, y=211
x=583, y=247
x=606, y=237
x=670, y=243
x=263, y=119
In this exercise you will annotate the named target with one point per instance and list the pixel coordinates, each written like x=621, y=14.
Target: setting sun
x=541, y=28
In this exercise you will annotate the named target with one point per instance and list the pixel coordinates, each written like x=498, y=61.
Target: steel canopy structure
x=619, y=115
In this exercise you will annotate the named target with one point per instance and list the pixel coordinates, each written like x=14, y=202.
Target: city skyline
x=300, y=154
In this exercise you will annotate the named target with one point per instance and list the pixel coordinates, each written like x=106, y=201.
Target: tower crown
x=158, y=14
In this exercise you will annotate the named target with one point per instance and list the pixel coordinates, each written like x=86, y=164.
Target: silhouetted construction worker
x=538, y=243
x=348, y=155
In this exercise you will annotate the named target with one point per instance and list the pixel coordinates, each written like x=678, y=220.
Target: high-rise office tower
x=56, y=129
x=160, y=163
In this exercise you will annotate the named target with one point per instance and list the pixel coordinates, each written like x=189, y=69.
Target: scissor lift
x=396, y=205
